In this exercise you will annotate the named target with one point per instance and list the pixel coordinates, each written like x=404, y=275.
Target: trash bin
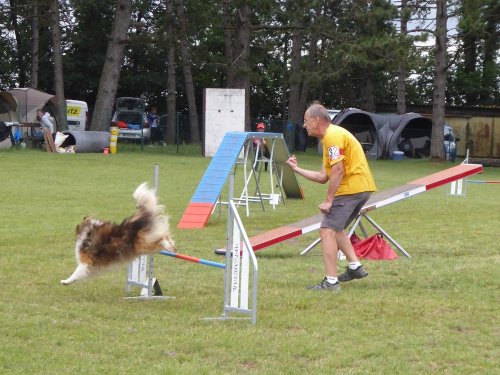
x=86, y=141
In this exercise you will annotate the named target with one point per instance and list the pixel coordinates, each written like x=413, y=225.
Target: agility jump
x=241, y=269
x=193, y=259
x=421, y=185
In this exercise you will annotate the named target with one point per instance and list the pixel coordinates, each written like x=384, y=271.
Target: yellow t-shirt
x=340, y=145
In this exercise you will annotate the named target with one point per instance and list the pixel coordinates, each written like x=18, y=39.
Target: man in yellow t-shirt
x=350, y=184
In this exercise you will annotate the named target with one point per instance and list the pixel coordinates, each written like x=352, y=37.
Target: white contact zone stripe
x=400, y=196
x=311, y=228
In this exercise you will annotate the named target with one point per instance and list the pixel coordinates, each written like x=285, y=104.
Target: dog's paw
x=65, y=282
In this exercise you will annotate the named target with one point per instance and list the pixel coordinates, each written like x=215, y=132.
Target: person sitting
x=423, y=152
x=407, y=147
x=45, y=120
x=260, y=146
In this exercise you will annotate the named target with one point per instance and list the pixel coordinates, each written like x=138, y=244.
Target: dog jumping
x=100, y=245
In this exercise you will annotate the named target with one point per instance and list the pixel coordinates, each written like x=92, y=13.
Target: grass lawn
x=436, y=313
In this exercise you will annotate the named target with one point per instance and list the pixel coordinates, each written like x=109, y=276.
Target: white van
x=78, y=115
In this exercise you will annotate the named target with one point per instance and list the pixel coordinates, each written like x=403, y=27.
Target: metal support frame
x=459, y=187
x=244, y=197
x=273, y=172
x=252, y=160
x=357, y=223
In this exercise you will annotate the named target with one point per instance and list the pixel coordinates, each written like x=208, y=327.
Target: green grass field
x=436, y=313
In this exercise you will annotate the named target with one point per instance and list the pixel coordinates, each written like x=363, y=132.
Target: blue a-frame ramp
x=211, y=184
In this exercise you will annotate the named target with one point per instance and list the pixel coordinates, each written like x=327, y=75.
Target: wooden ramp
x=210, y=186
x=377, y=200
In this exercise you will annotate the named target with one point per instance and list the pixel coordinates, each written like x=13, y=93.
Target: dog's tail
x=146, y=199
x=148, y=210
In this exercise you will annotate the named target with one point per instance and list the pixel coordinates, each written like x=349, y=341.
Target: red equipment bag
x=374, y=247
x=354, y=238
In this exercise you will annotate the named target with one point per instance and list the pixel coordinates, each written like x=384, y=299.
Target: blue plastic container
x=398, y=155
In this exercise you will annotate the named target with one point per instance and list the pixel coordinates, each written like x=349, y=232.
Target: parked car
x=131, y=119
x=420, y=151
x=332, y=113
x=77, y=115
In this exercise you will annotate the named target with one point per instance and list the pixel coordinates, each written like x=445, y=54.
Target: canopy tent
x=28, y=101
x=381, y=135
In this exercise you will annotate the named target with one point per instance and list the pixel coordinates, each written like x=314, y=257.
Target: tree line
x=284, y=53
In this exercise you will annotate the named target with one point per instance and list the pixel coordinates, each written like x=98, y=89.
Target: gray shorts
x=344, y=210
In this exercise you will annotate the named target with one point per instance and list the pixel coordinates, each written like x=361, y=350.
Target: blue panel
x=220, y=167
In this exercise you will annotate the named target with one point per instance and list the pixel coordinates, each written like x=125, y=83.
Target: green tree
x=86, y=48
x=108, y=83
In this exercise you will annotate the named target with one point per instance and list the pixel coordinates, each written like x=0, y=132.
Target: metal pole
x=150, y=257
x=177, y=126
x=398, y=246
x=229, y=243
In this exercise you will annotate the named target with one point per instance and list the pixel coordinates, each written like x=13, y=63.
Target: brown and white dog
x=101, y=245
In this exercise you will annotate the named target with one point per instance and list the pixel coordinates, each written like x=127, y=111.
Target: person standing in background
x=153, y=124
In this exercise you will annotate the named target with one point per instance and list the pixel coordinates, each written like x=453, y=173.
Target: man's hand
x=292, y=162
x=325, y=207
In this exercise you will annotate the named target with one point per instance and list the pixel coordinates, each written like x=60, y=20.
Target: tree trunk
x=111, y=71
x=401, y=86
x=470, y=48
x=439, y=94
x=35, y=39
x=311, y=60
x=294, y=113
x=491, y=45
x=194, y=129
x=62, y=121
x=284, y=87
x=367, y=95
x=228, y=43
x=242, y=54
x=21, y=66
x=171, y=133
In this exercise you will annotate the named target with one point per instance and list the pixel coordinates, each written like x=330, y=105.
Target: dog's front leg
x=82, y=272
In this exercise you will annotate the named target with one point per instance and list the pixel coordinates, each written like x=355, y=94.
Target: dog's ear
x=84, y=224
x=79, y=227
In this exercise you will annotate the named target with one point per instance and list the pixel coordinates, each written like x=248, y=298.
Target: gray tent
x=410, y=133
x=381, y=135
x=368, y=128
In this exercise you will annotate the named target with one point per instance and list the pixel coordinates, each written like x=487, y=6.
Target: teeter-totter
x=377, y=200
